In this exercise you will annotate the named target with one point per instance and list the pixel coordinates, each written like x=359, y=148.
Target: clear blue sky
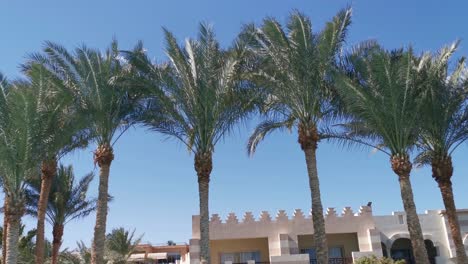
x=152, y=179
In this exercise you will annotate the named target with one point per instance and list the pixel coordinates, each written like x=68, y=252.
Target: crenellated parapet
x=282, y=216
x=265, y=217
x=248, y=218
x=347, y=212
x=215, y=219
x=331, y=213
x=232, y=219
x=365, y=210
x=298, y=215
x=297, y=222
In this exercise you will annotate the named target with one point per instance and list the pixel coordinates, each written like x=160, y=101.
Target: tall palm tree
x=62, y=132
x=197, y=98
x=295, y=67
x=382, y=96
x=445, y=127
x=120, y=244
x=67, y=201
x=95, y=79
x=19, y=152
x=27, y=245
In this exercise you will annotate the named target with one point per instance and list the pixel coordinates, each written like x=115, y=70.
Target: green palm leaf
x=196, y=98
x=293, y=67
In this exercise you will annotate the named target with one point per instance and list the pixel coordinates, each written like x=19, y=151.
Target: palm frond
x=294, y=67
x=444, y=113
x=200, y=95
x=68, y=198
x=98, y=84
x=381, y=91
x=332, y=38
x=263, y=129
x=120, y=243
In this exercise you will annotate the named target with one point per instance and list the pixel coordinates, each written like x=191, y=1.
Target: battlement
x=281, y=216
x=298, y=222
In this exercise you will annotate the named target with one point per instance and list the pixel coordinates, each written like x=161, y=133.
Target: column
x=194, y=251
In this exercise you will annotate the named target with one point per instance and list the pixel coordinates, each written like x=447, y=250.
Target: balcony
x=313, y=261
x=335, y=261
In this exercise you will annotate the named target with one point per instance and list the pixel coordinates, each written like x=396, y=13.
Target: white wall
x=432, y=224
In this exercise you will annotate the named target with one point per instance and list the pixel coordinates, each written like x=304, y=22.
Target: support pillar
x=194, y=251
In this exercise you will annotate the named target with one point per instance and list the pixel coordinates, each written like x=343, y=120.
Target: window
x=399, y=254
x=246, y=256
x=400, y=219
x=335, y=252
x=171, y=258
x=310, y=251
x=227, y=257
x=240, y=257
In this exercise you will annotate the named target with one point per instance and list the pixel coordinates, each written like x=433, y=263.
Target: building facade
x=351, y=235
x=160, y=254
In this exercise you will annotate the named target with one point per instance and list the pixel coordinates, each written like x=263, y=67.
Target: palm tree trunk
x=14, y=221
x=103, y=156
x=414, y=226
x=442, y=171
x=48, y=170
x=203, y=167
x=320, y=236
x=451, y=212
x=402, y=167
x=57, y=232
x=5, y=229
x=308, y=139
x=97, y=256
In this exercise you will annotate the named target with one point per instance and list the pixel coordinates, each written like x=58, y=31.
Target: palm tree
x=63, y=131
x=197, y=98
x=95, y=79
x=445, y=127
x=295, y=66
x=382, y=96
x=19, y=151
x=27, y=245
x=67, y=202
x=85, y=252
x=120, y=244
x=81, y=255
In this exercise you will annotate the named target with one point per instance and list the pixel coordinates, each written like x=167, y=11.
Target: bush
x=375, y=260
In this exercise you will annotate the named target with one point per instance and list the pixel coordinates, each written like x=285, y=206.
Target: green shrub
x=375, y=260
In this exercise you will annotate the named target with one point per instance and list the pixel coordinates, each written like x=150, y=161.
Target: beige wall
x=282, y=231
x=348, y=241
x=297, y=224
x=239, y=245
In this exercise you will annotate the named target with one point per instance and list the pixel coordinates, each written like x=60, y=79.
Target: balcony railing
x=411, y=260
x=335, y=261
x=247, y=262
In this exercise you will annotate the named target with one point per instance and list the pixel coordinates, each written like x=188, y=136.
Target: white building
x=289, y=239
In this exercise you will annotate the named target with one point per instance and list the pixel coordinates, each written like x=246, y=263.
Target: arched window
x=402, y=250
x=431, y=250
